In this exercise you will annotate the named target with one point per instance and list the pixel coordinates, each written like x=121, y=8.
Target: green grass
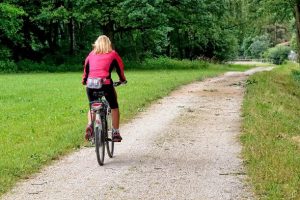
x=43, y=115
x=271, y=125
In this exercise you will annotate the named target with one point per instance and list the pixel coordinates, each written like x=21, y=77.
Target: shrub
x=294, y=42
x=32, y=66
x=254, y=47
x=278, y=54
x=166, y=63
x=73, y=65
x=7, y=66
x=296, y=75
x=28, y=66
x=258, y=47
x=5, y=53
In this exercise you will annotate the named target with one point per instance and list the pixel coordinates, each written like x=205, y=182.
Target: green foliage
x=245, y=51
x=226, y=48
x=7, y=66
x=68, y=63
x=5, y=53
x=271, y=123
x=31, y=66
x=205, y=30
x=10, y=20
x=294, y=42
x=273, y=18
x=259, y=45
x=165, y=63
x=186, y=29
x=278, y=54
x=296, y=75
x=52, y=14
x=255, y=47
x=269, y=16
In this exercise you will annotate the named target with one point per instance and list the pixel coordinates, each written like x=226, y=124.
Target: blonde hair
x=102, y=45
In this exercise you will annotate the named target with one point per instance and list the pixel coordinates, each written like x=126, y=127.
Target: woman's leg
x=89, y=128
x=115, y=118
x=115, y=123
x=89, y=117
x=89, y=93
x=113, y=102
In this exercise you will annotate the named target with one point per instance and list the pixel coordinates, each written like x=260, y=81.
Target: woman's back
x=99, y=64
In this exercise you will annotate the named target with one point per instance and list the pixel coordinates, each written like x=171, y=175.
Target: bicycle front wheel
x=100, y=145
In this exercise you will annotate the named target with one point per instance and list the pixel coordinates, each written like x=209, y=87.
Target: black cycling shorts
x=109, y=92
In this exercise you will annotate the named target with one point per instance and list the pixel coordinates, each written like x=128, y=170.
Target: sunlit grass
x=271, y=124
x=43, y=115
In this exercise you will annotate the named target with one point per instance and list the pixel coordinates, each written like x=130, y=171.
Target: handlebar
x=116, y=84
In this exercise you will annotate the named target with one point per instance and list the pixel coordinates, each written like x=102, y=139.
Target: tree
x=255, y=47
x=53, y=30
x=10, y=23
x=277, y=13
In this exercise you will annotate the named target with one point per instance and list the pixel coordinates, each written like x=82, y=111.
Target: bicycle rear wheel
x=109, y=139
x=100, y=145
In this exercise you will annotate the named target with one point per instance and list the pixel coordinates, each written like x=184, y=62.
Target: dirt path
x=183, y=147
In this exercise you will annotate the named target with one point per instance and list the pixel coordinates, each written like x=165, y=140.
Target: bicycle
x=102, y=125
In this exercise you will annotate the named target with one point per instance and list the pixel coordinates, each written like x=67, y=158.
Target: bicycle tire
x=100, y=145
x=109, y=139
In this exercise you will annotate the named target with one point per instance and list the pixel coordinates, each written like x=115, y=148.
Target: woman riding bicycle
x=98, y=67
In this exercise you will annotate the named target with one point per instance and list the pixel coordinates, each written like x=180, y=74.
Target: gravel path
x=185, y=146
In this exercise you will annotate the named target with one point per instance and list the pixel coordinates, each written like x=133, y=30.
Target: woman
x=98, y=65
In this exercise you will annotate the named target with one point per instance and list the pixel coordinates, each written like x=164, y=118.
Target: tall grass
x=43, y=115
x=164, y=63
x=296, y=75
x=271, y=124
x=67, y=64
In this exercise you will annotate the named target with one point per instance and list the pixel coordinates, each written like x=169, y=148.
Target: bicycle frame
x=101, y=118
x=98, y=109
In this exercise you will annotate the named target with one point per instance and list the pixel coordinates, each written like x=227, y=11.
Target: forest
x=176, y=55
x=37, y=33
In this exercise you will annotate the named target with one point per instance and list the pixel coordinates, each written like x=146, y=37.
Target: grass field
x=272, y=133
x=43, y=115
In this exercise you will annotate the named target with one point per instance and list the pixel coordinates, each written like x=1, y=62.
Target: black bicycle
x=102, y=124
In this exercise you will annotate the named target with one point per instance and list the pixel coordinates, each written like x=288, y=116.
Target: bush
x=29, y=66
x=5, y=53
x=294, y=42
x=296, y=75
x=278, y=54
x=258, y=47
x=166, y=63
x=163, y=63
x=255, y=47
x=8, y=66
x=32, y=66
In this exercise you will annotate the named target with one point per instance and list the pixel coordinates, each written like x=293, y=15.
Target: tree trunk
x=71, y=29
x=108, y=30
x=276, y=34
x=72, y=36
x=297, y=18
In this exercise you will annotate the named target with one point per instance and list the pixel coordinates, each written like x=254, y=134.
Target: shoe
x=89, y=132
x=117, y=137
